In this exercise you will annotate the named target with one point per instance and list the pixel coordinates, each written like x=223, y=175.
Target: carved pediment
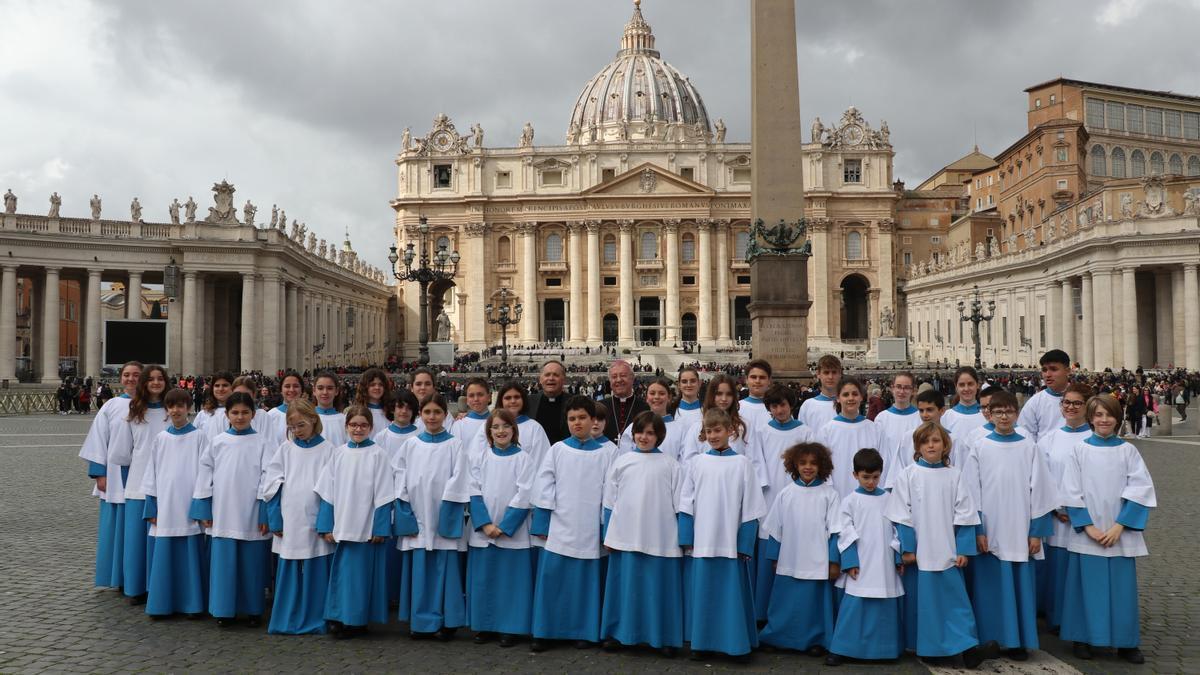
x=550, y=164
x=648, y=179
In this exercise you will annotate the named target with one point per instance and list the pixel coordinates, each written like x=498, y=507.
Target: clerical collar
x=1076, y=430
x=910, y=410
x=966, y=409
x=856, y=420
x=874, y=493
x=752, y=399
x=785, y=426
x=312, y=442
x=1005, y=438
x=326, y=411
x=1104, y=441
x=282, y=407
x=932, y=465
x=506, y=452
x=375, y=406
x=814, y=483
x=365, y=443
x=154, y=404
x=548, y=397
x=689, y=405
x=623, y=399
x=472, y=415
x=439, y=437
x=244, y=432
x=823, y=397
x=402, y=430
x=723, y=452
x=179, y=431
x=589, y=444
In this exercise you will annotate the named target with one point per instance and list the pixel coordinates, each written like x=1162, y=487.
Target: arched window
x=854, y=246
x=442, y=242
x=610, y=248
x=688, y=249
x=554, y=248
x=741, y=242
x=1137, y=164
x=1118, y=163
x=1194, y=166
x=649, y=249
x=504, y=250
x=1098, y=165
x=1176, y=165
x=1156, y=164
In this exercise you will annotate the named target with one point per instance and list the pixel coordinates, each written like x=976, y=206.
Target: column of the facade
x=89, y=338
x=191, y=305
x=270, y=327
x=704, y=334
x=294, y=329
x=723, y=272
x=529, y=297
x=1102, y=330
x=477, y=279
x=1164, y=347
x=1178, y=337
x=626, y=318
x=1132, y=327
x=1066, y=340
x=249, y=333
x=594, y=327
x=1087, y=339
x=819, y=318
x=575, y=260
x=1191, y=316
x=50, y=319
x=207, y=289
x=8, y=323
x=133, y=296
x=671, y=318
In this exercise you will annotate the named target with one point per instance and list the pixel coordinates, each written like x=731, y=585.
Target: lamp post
x=444, y=267
x=503, y=315
x=976, y=317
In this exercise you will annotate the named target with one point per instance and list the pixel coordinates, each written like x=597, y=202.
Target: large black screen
x=144, y=341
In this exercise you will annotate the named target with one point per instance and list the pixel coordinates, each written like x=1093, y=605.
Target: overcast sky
x=302, y=104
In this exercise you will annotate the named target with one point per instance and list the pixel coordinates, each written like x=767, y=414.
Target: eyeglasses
x=358, y=425
x=1072, y=404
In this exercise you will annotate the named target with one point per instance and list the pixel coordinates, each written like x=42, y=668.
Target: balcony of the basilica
x=552, y=266
x=649, y=264
x=507, y=267
x=737, y=263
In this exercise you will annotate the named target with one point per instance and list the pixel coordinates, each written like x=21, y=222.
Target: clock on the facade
x=852, y=134
x=442, y=141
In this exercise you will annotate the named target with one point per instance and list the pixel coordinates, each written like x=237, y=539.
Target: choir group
x=720, y=523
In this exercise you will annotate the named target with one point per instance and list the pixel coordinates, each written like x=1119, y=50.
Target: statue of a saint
x=95, y=204
x=818, y=130
x=311, y=245
x=477, y=132
x=10, y=202
x=886, y=322
x=248, y=213
x=720, y=130
x=573, y=133
x=406, y=140
x=443, y=327
x=55, y=205
x=527, y=136
x=980, y=253
x=135, y=211
x=275, y=215
x=885, y=134
x=173, y=209
x=189, y=210
x=300, y=232
x=321, y=249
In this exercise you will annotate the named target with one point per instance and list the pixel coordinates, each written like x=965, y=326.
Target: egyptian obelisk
x=778, y=283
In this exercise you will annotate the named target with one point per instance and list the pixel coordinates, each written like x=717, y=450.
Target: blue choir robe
x=227, y=493
x=302, y=575
x=1105, y=482
x=772, y=440
x=391, y=437
x=936, y=519
x=719, y=508
x=568, y=494
x=844, y=437
x=643, y=595
x=423, y=467
x=869, y=620
x=132, y=441
x=178, y=576
x=803, y=525
x=357, y=491
x=110, y=534
x=1051, y=575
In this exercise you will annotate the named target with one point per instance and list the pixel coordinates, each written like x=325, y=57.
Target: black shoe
x=833, y=660
x=484, y=637
x=609, y=645
x=417, y=635
x=668, y=652
x=1082, y=650
x=1131, y=655
x=160, y=617
x=444, y=634
x=972, y=658
x=537, y=645
x=816, y=651
x=138, y=600
x=698, y=655
x=584, y=644
x=334, y=627
x=194, y=616
x=1017, y=654
x=224, y=623
x=508, y=640
x=254, y=620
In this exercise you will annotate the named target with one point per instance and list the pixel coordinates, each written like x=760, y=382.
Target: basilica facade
x=633, y=228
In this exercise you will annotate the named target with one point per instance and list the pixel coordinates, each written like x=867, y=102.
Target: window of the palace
x=688, y=248
x=1052, y=96
x=852, y=171
x=649, y=246
x=935, y=239
x=1095, y=112
x=1118, y=163
x=688, y=172
x=1137, y=164
x=607, y=174
x=610, y=248
x=741, y=175
x=741, y=242
x=934, y=222
x=906, y=240
x=907, y=258
x=1037, y=103
x=990, y=232
x=610, y=281
x=1116, y=116
x=744, y=279
x=1172, y=123
x=552, y=178
x=1176, y=165
x=989, y=181
x=1156, y=163
x=504, y=250
x=1154, y=121
x=1098, y=163
x=689, y=280
x=1194, y=166
x=554, y=248
x=991, y=200
x=441, y=175
x=1062, y=184
x=1134, y=115
x=854, y=246
x=1191, y=126
x=554, y=282
x=503, y=179
x=979, y=203
x=443, y=242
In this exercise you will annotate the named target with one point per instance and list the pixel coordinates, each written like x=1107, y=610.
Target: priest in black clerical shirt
x=623, y=406
x=547, y=407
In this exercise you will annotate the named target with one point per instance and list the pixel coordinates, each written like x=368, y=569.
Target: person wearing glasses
x=897, y=423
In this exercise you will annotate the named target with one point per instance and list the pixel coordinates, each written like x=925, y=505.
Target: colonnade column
x=575, y=256
x=190, y=323
x=50, y=326
x=91, y=325
x=8, y=323
x=671, y=319
x=532, y=317
x=1129, y=303
x=1191, y=316
x=1067, y=342
x=723, y=282
x=594, y=332
x=269, y=360
x=1102, y=331
x=1087, y=344
x=704, y=333
x=294, y=328
x=133, y=296
x=625, y=319
x=1164, y=348
x=249, y=328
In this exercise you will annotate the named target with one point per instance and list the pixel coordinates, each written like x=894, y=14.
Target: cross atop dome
x=638, y=37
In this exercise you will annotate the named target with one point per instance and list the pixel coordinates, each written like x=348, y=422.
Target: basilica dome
x=639, y=97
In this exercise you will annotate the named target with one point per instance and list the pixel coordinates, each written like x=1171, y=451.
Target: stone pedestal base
x=890, y=350
x=441, y=353
x=779, y=314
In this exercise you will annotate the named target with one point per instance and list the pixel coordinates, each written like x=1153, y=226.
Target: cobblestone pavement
x=51, y=619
